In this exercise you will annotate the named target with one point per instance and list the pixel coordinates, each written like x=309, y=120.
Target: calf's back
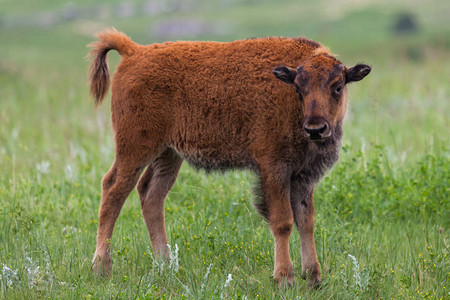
x=217, y=105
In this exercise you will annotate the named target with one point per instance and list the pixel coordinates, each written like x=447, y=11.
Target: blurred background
x=382, y=214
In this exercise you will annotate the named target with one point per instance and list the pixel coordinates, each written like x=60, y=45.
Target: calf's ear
x=285, y=74
x=357, y=73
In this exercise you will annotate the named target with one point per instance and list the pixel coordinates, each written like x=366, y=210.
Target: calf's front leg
x=153, y=188
x=280, y=217
x=302, y=201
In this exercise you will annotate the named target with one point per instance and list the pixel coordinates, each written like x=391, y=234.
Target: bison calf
x=271, y=105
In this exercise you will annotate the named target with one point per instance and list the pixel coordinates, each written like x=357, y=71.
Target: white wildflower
x=205, y=278
x=361, y=277
x=68, y=230
x=356, y=274
x=187, y=291
x=48, y=270
x=11, y=276
x=207, y=272
x=226, y=284
x=31, y=269
x=173, y=255
x=69, y=172
x=42, y=168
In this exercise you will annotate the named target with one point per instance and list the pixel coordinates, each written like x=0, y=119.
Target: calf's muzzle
x=317, y=128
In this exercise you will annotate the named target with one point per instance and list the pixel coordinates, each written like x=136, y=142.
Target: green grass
x=385, y=204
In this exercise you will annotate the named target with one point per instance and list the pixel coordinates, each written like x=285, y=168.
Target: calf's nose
x=317, y=131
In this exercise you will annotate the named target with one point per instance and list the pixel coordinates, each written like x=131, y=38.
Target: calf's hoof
x=101, y=265
x=313, y=276
x=284, y=277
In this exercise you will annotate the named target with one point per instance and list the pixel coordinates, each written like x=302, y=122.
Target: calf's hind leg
x=116, y=186
x=153, y=188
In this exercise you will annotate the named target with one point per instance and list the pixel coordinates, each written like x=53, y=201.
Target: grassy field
x=382, y=214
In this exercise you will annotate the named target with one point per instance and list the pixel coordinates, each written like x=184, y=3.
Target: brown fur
x=219, y=106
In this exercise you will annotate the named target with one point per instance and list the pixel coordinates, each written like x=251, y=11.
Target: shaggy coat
x=271, y=105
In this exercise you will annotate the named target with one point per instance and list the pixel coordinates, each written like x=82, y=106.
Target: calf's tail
x=110, y=39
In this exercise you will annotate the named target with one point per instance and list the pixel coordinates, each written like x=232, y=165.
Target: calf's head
x=321, y=85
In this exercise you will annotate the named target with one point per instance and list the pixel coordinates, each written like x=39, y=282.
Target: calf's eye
x=338, y=89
